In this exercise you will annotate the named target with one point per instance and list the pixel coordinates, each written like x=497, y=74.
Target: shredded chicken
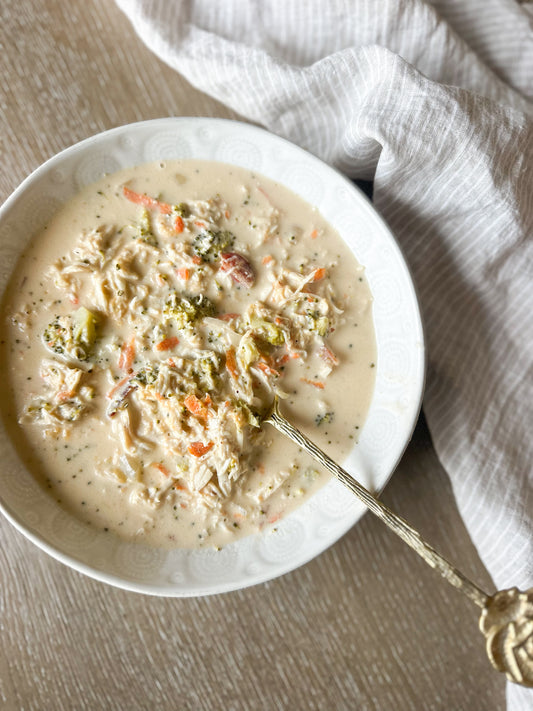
x=188, y=383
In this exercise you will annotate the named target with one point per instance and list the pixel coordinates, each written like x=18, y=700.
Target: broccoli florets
x=268, y=331
x=208, y=372
x=73, y=335
x=144, y=230
x=209, y=244
x=317, y=323
x=185, y=310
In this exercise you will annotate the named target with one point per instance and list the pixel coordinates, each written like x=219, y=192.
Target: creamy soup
x=148, y=329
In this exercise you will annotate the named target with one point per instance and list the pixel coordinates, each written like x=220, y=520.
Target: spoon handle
x=506, y=618
x=393, y=521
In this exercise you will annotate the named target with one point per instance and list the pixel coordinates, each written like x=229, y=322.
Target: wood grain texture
x=365, y=626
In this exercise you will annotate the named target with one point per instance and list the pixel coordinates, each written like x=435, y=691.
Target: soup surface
x=148, y=329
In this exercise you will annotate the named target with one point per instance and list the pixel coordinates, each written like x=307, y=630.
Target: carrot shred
x=167, y=343
x=228, y=317
x=147, y=201
x=198, y=449
x=118, y=385
x=319, y=274
x=65, y=395
x=328, y=355
x=227, y=214
x=195, y=406
x=196, y=259
x=127, y=354
x=267, y=369
x=267, y=259
x=315, y=383
x=179, y=225
x=162, y=468
x=184, y=273
x=231, y=363
x=314, y=234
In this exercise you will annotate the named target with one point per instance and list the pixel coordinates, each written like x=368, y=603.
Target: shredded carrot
x=267, y=259
x=179, y=487
x=315, y=383
x=184, y=273
x=199, y=224
x=147, y=201
x=127, y=355
x=284, y=358
x=228, y=317
x=162, y=468
x=314, y=234
x=207, y=400
x=195, y=406
x=227, y=214
x=196, y=259
x=266, y=368
x=118, y=385
x=198, y=449
x=274, y=518
x=65, y=395
x=231, y=363
x=319, y=274
x=179, y=224
x=328, y=355
x=167, y=343
x=74, y=299
x=292, y=353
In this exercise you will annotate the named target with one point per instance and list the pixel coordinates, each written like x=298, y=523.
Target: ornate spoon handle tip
x=506, y=617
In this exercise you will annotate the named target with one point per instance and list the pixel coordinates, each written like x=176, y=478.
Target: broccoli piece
x=209, y=244
x=147, y=375
x=248, y=352
x=208, y=368
x=317, y=323
x=267, y=331
x=185, y=310
x=84, y=322
x=326, y=417
x=251, y=417
x=144, y=230
x=73, y=335
x=182, y=209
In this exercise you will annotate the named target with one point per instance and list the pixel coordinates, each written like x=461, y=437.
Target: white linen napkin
x=431, y=101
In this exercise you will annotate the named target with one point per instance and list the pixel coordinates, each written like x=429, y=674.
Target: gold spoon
x=506, y=617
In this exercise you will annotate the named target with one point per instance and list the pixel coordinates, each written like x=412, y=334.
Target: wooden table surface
x=366, y=625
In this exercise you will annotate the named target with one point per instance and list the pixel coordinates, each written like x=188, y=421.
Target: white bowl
x=399, y=377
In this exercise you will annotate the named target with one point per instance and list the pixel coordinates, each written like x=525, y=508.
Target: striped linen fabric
x=432, y=101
